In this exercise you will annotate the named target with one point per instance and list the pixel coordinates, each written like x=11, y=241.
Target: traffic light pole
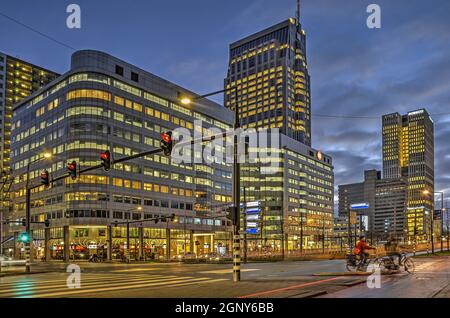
x=236, y=196
x=28, y=221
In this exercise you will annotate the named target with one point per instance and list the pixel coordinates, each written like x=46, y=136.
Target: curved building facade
x=105, y=103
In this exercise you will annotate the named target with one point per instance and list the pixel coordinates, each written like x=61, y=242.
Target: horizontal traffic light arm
x=139, y=155
x=142, y=221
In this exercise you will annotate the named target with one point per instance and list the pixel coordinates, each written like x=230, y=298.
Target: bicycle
x=355, y=263
x=387, y=264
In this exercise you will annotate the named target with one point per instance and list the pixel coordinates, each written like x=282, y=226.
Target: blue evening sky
x=403, y=66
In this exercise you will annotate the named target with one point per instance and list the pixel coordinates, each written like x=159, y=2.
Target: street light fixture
x=426, y=192
x=236, y=178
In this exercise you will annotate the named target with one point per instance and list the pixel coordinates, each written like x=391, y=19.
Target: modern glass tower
x=269, y=82
x=408, y=151
x=270, y=71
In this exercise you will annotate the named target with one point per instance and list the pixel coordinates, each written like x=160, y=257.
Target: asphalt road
x=259, y=280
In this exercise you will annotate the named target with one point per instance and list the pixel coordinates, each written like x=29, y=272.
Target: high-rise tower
x=408, y=151
x=270, y=71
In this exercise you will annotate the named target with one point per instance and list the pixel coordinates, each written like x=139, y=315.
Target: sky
x=355, y=71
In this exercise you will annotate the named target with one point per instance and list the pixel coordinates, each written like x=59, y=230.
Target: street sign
x=252, y=215
x=252, y=231
x=254, y=210
x=359, y=206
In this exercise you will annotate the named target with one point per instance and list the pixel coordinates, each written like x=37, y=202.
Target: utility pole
x=128, y=242
x=323, y=235
x=349, y=231
x=448, y=228
x=236, y=195
x=245, y=228
x=301, y=233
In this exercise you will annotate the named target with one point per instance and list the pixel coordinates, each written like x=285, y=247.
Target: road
x=259, y=280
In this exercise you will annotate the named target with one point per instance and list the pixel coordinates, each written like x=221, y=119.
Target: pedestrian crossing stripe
x=135, y=270
x=84, y=282
x=94, y=283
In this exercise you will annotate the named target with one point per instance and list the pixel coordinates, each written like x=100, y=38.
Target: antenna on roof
x=298, y=12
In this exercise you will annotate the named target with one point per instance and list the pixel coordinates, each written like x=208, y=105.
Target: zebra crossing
x=38, y=287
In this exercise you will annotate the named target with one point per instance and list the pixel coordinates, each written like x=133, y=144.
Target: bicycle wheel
x=383, y=265
x=409, y=265
x=350, y=267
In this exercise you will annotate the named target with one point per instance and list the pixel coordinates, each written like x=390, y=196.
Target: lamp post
x=236, y=180
x=442, y=217
x=139, y=208
x=46, y=155
x=426, y=193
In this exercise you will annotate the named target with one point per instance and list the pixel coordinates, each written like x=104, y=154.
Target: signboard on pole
x=359, y=206
x=252, y=215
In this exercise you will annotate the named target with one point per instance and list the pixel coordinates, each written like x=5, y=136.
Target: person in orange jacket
x=362, y=247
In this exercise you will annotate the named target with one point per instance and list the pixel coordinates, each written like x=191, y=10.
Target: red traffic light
x=166, y=137
x=45, y=177
x=105, y=155
x=166, y=143
x=106, y=160
x=72, y=167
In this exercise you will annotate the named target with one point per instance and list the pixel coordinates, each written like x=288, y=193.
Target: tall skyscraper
x=18, y=79
x=270, y=71
x=408, y=151
x=269, y=82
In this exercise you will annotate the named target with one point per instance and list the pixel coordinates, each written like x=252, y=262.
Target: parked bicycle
x=388, y=265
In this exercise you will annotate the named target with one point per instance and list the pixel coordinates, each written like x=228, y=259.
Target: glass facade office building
x=269, y=69
x=268, y=81
x=105, y=103
x=408, y=152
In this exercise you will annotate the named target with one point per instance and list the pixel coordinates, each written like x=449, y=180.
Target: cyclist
x=361, y=248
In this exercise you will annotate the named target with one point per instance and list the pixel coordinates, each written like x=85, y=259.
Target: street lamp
x=442, y=217
x=138, y=208
x=185, y=100
x=426, y=192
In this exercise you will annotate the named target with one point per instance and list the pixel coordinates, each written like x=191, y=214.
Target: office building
x=390, y=208
x=296, y=197
x=269, y=69
x=408, y=151
x=269, y=82
x=105, y=103
x=18, y=79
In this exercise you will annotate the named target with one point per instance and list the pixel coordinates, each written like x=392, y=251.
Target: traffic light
x=172, y=217
x=231, y=214
x=24, y=222
x=72, y=168
x=45, y=180
x=47, y=223
x=24, y=237
x=166, y=143
x=106, y=160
